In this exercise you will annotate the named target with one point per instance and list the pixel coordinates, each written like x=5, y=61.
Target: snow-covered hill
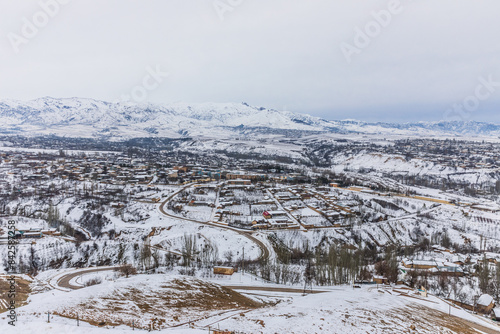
x=86, y=117
x=79, y=117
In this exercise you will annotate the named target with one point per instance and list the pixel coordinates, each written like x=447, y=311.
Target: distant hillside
x=79, y=117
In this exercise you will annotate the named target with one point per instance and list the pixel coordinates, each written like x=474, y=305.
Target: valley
x=275, y=215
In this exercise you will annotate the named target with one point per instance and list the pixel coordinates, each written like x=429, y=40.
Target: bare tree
x=127, y=270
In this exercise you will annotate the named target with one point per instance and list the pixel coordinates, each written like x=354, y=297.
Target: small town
x=249, y=167
x=287, y=213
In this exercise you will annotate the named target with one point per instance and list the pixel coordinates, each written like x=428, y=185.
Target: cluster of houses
x=435, y=267
x=276, y=219
x=297, y=204
x=317, y=199
x=32, y=233
x=105, y=169
x=121, y=169
x=443, y=261
x=470, y=155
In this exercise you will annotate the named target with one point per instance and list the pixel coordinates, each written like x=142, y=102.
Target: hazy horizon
x=366, y=119
x=399, y=61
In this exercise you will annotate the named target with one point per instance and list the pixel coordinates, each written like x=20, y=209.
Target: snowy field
x=193, y=304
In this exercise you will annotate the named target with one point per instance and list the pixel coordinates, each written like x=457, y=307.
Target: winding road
x=65, y=280
x=264, y=251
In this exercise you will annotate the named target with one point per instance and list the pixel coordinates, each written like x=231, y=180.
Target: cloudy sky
x=371, y=60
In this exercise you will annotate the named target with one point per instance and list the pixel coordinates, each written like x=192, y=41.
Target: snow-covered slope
x=79, y=117
x=86, y=117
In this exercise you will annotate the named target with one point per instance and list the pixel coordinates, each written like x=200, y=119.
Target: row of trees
x=489, y=279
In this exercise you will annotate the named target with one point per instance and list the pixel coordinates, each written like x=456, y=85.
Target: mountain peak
x=86, y=117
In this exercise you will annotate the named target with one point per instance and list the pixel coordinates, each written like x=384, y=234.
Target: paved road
x=264, y=251
x=64, y=281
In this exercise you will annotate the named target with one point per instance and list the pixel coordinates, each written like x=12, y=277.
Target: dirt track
x=478, y=327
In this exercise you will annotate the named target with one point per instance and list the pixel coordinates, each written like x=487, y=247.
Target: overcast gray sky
x=331, y=58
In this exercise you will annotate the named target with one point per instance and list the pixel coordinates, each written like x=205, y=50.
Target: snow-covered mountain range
x=80, y=117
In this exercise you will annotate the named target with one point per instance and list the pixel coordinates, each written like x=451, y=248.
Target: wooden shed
x=485, y=304
x=380, y=279
x=223, y=271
